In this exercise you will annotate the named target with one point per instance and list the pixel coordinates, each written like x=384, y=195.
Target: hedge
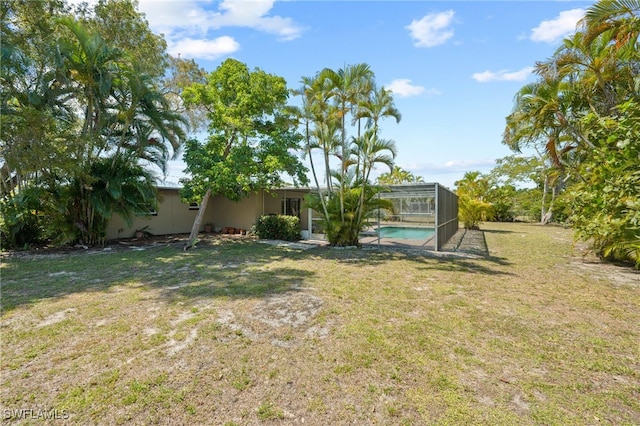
x=278, y=227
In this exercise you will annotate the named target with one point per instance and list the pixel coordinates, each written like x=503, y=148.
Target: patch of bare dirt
x=616, y=274
x=283, y=319
x=584, y=262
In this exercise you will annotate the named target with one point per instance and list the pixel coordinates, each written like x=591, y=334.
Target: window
x=291, y=207
x=194, y=206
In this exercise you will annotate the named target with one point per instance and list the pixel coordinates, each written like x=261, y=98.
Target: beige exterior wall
x=174, y=216
x=244, y=213
x=273, y=204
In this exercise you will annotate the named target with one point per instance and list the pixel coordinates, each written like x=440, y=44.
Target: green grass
x=246, y=333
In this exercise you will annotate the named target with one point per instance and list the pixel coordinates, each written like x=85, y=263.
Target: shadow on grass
x=225, y=270
x=497, y=231
x=443, y=261
x=230, y=270
x=478, y=265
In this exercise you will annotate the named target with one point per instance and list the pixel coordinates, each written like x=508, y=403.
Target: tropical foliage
x=606, y=201
x=331, y=101
x=581, y=114
x=252, y=141
x=85, y=123
x=397, y=176
x=472, y=206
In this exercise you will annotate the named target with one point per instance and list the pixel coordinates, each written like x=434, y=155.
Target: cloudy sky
x=453, y=66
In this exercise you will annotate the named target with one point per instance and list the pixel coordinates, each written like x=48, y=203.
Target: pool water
x=406, y=232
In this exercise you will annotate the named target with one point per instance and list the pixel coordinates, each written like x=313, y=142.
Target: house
x=422, y=205
x=176, y=217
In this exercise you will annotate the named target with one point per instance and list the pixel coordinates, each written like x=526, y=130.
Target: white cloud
x=502, y=75
x=403, y=88
x=254, y=14
x=188, y=24
x=201, y=48
x=553, y=30
x=433, y=29
x=191, y=17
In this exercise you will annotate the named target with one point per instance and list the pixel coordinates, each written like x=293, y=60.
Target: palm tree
x=471, y=190
x=618, y=17
x=398, y=175
x=595, y=69
x=377, y=106
x=93, y=65
x=145, y=124
x=126, y=123
x=371, y=151
x=347, y=87
x=328, y=98
x=542, y=118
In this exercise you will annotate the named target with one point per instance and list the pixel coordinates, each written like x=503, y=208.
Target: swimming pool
x=407, y=233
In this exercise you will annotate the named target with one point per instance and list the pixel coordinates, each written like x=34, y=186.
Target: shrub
x=503, y=211
x=606, y=202
x=20, y=221
x=278, y=227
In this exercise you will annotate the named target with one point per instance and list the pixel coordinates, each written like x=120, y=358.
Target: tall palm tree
x=595, y=69
x=376, y=106
x=316, y=99
x=542, y=115
x=145, y=125
x=126, y=122
x=379, y=104
x=620, y=17
x=93, y=65
x=347, y=87
x=371, y=151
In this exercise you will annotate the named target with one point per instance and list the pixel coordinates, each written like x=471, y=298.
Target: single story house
x=176, y=217
x=422, y=205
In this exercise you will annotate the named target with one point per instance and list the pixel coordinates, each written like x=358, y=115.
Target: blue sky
x=453, y=66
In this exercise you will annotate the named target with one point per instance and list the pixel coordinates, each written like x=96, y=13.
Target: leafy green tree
x=120, y=24
x=606, y=202
x=36, y=126
x=252, y=136
x=511, y=172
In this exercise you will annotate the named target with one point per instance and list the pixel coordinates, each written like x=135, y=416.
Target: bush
x=503, y=211
x=278, y=227
x=20, y=222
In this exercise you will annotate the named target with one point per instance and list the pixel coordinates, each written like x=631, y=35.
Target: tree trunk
x=544, y=199
x=198, y=221
x=548, y=217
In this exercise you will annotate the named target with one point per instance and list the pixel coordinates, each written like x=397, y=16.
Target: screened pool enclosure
x=423, y=215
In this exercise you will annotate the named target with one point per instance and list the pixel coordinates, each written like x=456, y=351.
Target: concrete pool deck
x=465, y=243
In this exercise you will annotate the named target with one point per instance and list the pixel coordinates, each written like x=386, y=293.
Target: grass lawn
x=239, y=333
